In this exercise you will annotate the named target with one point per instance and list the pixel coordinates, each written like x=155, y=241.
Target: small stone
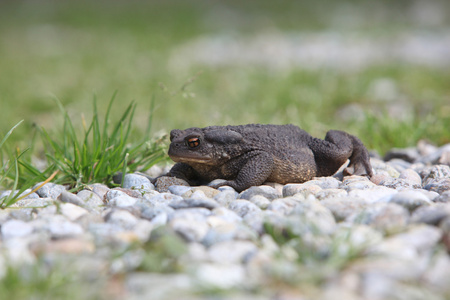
x=16, y=228
x=410, y=199
x=243, y=207
x=192, y=229
x=68, y=197
x=150, y=212
x=373, y=195
x=121, y=218
x=408, y=244
x=232, y=252
x=313, y=216
x=400, y=184
x=224, y=198
x=435, y=174
x=24, y=195
x=120, y=199
x=60, y=228
x=358, y=183
x=399, y=164
x=179, y=190
x=220, y=276
x=381, y=167
x=143, y=229
x=72, y=211
x=194, y=202
x=99, y=189
x=407, y=154
x=163, y=198
x=91, y=200
x=227, y=215
x=285, y=205
x=263, y=190
x=296, y=188
x=260, y=201
x=431, y=215
x=411, y=176
x=49, y=190
x=387, y=217
x=342, y=208
x=163, y=183
x=137, y=182
x=330, y=193
x=207, y=191
x=439, y=186
x=444, y=197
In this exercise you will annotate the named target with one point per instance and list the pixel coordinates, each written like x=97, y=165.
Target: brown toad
x=249, y=155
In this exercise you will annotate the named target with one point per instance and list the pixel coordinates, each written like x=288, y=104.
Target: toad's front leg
x=256, y=168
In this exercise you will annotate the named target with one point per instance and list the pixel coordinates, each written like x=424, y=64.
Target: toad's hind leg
x=330, y=154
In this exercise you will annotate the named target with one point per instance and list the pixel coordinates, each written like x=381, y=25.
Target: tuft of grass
x=99, y=152
x=41, y=281
x=10, y=172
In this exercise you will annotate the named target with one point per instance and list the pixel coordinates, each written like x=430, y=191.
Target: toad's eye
x=193, y=142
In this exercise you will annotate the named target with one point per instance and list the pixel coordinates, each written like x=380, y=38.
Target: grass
x=129, y=47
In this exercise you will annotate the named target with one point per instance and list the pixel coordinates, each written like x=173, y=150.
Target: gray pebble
x=431, y=215
x=444, y=197
x=243, y=207
x=122, y=218
x=439, y=185
x=49, y=190
x=410, y=199
x=70, y=198
x=387, y=217
x=342, y=208
x=193, y=228
x=16, y=229
x=264, y=190
x=411, y=176
x=406, y=154
x=122, y=201
x=285, y=205
x=99, y=189
x=91, y=200
x=296, y=188
x=72, y=211
x=232, y=252
x=435, y=174
x=61, y=228
x=225, y=197
x=163, y=183
x=137, y=182
x=194, y=202
x=26, y=194
x=150, y=212
x=179, y=189
x=260, y=201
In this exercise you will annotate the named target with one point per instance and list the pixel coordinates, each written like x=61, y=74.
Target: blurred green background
x=378, y=69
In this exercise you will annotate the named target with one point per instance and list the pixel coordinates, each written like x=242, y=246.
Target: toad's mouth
x=191, y=159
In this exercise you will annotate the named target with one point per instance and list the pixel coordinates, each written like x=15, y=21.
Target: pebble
x=15, y=228
x=390, y=233
x=49, y=190
x=137, y=182
x=410, y=199
x=263, y=190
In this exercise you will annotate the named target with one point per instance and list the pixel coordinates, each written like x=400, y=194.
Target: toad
x=249, y=155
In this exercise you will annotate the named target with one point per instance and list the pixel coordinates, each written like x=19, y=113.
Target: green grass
x=71, y=50
x=41, y=280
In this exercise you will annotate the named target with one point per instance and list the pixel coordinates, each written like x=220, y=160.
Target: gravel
x=389, y=235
